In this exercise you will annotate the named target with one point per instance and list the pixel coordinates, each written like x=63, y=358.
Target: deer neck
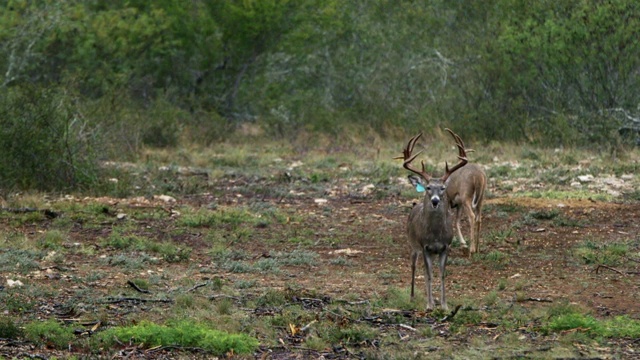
x=436, y=214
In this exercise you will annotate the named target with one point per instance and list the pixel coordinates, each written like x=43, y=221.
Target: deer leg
x=462, y=242
x=472, y=220
x=443, y=263
x=428, y=272
x=478, y=226
x=414, y=259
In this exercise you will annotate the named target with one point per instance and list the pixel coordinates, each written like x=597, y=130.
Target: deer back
x=468, y=182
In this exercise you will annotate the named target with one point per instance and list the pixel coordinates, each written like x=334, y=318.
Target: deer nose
x=435, y=201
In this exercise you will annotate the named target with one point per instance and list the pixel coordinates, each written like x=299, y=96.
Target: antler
x=462, y=155
x=406, y=156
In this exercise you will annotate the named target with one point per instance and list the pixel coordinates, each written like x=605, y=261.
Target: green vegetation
x=49, y=332
x=168, y=251
x=8, y=328
x=594, y=251
x=164, y=74
x=619, y=326
x=231, y=218
x=184, y=334
x=273, y=125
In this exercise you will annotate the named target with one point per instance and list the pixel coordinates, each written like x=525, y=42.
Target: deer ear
x=417, y=182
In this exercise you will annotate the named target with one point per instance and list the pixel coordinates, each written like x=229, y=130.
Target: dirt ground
x=540, y=259
x=541, y=265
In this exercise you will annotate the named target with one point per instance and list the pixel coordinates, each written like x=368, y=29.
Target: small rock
x=14, y=283
x=121, y=216
x=585, y=178
x=320, y=201
x=368, y=189
x=165, y=198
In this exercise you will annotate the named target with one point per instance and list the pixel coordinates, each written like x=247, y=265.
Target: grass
x=230, y=218
x=495, y=259
x=120, y=239
x=618, y=326
x=50, y=333
x=184, y=334
x=596, y=251
x=245, y=257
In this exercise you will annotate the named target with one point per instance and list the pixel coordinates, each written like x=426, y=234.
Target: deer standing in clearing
x=465, y=190
x=429, y=227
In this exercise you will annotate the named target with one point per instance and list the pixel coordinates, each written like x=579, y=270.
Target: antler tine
x=462, y=156
x=408, y=158
x=459, y=141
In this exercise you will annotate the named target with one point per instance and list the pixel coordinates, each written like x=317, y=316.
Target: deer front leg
x=414, y=259
x=443, y=264
x=428, y=272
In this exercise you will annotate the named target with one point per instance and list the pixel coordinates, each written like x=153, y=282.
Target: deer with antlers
x=465, y=190
x=429, y=227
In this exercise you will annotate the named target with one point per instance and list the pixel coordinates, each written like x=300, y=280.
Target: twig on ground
x=407, y=327
x=538, y=299
x=131, y=299
x=452, y=314
x=223, y=296
x=174, y=347
x=632, y=259
x=608, y=268
x=137, y=288
x=360, y=302
x=196, y=287
x=306, y=327
x=32, y=356
x=46, y=212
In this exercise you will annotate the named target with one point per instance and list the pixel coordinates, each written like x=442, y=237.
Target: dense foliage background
x=114, y=76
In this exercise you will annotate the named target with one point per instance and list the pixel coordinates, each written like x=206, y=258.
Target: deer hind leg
x=477, y=212
x=414, y=259
x=462, y=242
x=428, y=272
x=472, y=220
x=475, y=242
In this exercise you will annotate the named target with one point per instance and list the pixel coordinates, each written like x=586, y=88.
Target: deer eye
x=442, y=188
x=428, y=188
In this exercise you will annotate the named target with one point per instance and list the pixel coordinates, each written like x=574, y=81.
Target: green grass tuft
x=184, y=333
x=619, y=326
x=228, y=217
x=49, y=333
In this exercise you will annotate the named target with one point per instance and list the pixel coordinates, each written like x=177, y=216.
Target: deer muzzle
x=435, y=201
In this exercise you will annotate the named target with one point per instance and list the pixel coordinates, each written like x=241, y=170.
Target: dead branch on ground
x=137, y=288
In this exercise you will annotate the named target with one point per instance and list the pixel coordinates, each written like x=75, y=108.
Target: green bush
x=45, y=143
x=49, y=333
x=8, y=329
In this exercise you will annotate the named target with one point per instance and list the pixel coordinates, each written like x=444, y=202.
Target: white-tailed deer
x=429, y=226
x=465, y=190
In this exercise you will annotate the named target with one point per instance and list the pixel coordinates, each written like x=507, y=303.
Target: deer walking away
x=465, y=190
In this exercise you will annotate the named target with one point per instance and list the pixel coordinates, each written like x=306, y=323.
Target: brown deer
x=429, y=226
x=465, y=190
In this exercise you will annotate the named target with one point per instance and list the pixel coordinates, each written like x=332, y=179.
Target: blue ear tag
x=419, y=188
